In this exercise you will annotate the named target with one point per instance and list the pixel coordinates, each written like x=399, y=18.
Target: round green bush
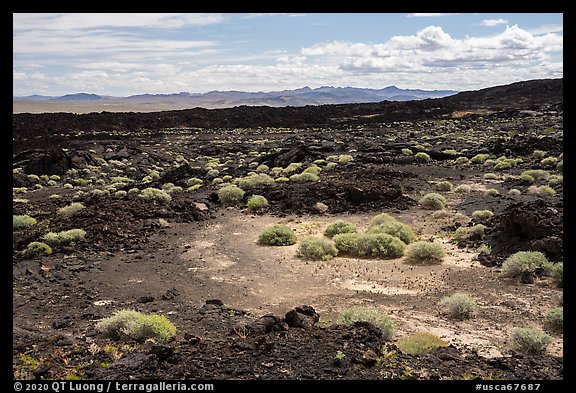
x=530, y=341
x=256, y=203
x=230, y=195
x=555, y=318
x=277, y=235
x=36, y=249
x=425, y=252
x=379, y=245
x=22, y=221
x=459, y=305
x=346, y=242
x=381, y=219
x=433, y=201
x=422, y=157
x=523, y=262
x=420, y=343
x=374, y=316
x=340, y=226
x=443, y=185
x=395, y=228
x=155, y=195
x=317, y=248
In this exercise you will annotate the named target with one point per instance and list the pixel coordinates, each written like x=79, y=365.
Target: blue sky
x=126, y=54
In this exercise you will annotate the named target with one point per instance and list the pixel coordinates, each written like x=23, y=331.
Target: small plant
x=422, y=157
x=536, y=174
x=277, y=235
x=407, y=152
x=463, y=188
x=317, y=248
x=491, y=192
x=22, y=221
x=425, y=252
x=443, y=185
x=340, y=226
x=555, y=318
x=381, y=219
x=523, y=262
x=462, y=161
x=374, y=316
x=64, y=237
x=155, y=195
x=131, y=324
x=474, y=232
x=490, y=176
x=395, y=228
x=70, y=210
x=378, y=245
x=304, y=177
x=514, y=192
x=36, y=249
x=256, y=203
x=479, y=158
x=459, y=305
x=530, y=341
x=482, y=215
x=420, y=343
x=433, y=201
x=230, y=195
x=339, y=355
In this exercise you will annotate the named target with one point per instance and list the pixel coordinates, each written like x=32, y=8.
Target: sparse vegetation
x=523, y=262
x=317, y=248
x=22, y=221
x=482, y=215
x=395, y=228
x=420, y=343
x=230, y=195
x=70, y=210
x=530, y=341
x=555, y=318
x=64, y=237
x=155, y=195
x=425, y=252
x=340, y=226
x=134, y=325
x=36, y=249
x=433, y=201
x=374, y=316
x=277, y=235
x=257, y=203
x=459, y=305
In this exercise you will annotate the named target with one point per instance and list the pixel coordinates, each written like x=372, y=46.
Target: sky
x=122, y=54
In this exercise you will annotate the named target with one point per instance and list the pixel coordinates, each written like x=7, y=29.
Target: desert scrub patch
x=407, y=152
x=422, y=157
x=433, y=201
x=132, y=324
x=155, y=195
x=277, y=235
x=479, y=158
x=462, y=161
x=475, y=232
x=459, y=305
x=549, y=162
x=71, y=209
x=304, y=177
x=346, y=242
x=292, y=167
x=522, y=262
x=530, y=341
x=381, y=219
x=256, y=203
x=425, y=252
x=463, y=188
x=554, y=318
x=22, y=221
x=36, y=249
x=443, y=185
x=482, y=215
x=378, y=245
x=374, y=316
x=490, y=176
x=340, y=226
x=536, y=174
x=395, y=228
x=315, y=169
x=253, y=180
x=64, y=237
x=538, y=154
x=543, y=190
x=491, y=192
x=230, y=195
x=420, y=343
x=317, y=248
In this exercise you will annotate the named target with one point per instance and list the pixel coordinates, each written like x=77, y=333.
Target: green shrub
x=155, y=195
x=36, y=249
x=482, y=215
x=555, y=318
x=433, y=201
x=277, y=235
x=422, y=157
x=425, y=252
x=407, y=152
x=379, y=245
x=230, y=195
x=491, y=192
x=420, y=343
x=462, y=160
x=530, y=341
x=253, y=180
x=490, y=176
x=22, y=221
x=346, y=242
x=317, y=248
x=340, y=226
x=523, y=262
x=463, y=188
x=395, y=228
x=443, y=185
x=556, y=271
x=131, y=324
x=256, y=203
x=354, y=314
x=315, y=169
x=538, y=154
x=459, y=305
x=304, y=177
x=64, y=237
x=344, y=159
x=536, y=174
x=514, y=191
x=479, y=158
x=549, y=162
x=474, y=232
x=381, y=219
x=71, y=209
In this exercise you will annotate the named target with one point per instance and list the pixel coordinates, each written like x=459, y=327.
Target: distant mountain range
x=231, y=98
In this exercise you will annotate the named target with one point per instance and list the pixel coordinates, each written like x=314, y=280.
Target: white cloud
x=493, y=22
